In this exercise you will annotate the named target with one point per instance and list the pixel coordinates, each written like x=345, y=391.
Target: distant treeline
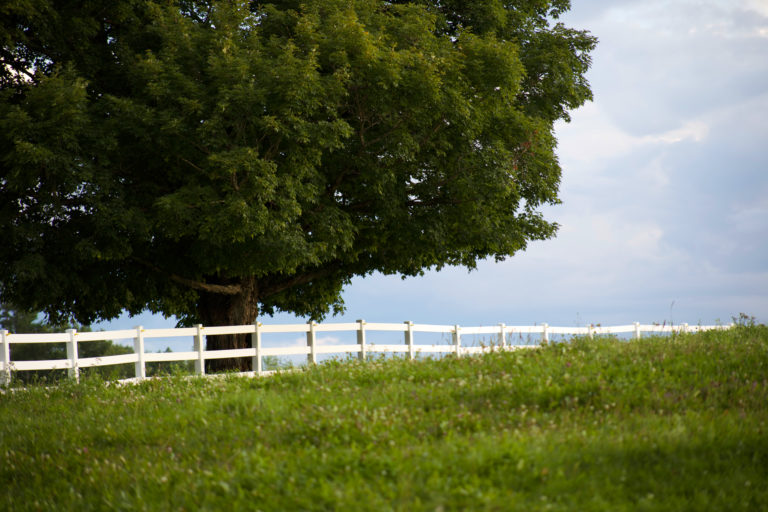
x=19, y=321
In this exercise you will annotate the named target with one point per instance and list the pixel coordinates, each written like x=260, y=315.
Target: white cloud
x=751, y=217
x=593, y=137
x=695, y=130
x=758, y=6
x=660, y=64
x=655, y=173
x=646, y=239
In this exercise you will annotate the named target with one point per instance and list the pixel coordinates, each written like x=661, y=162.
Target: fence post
x=544, y=333
x=502, y=336
x=256, y=363
x=200, y=349
x=637, y=330
x=409, y=338
x=5, y=357
x=457, y=340
x=74, y=371
x=361, y=339
x=138, y=348
x=311, y=341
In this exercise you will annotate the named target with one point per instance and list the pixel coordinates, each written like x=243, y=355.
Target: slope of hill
x=674, y=423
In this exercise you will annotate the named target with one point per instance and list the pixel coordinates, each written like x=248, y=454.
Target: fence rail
x=499, y=341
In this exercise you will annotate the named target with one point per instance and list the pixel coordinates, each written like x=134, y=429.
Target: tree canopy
x=212, y=160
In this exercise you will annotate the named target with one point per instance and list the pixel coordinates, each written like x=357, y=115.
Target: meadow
x=661, y=423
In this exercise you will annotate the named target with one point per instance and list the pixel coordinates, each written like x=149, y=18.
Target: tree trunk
x=219, y=309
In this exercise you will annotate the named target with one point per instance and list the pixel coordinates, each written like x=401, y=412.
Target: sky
x=664, y=214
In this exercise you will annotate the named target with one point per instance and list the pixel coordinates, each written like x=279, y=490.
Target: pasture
x=661, y=423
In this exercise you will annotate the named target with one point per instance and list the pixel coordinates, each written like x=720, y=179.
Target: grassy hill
x=676, y=423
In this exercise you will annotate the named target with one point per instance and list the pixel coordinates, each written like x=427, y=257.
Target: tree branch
x=221, y=289
x=330, y=189
x=15, y=66
x=267, y=291
x=190, y=164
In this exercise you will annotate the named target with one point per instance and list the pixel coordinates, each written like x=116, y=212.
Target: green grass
x=674, y=423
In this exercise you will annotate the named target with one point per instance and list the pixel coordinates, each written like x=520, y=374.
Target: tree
x=217, y=160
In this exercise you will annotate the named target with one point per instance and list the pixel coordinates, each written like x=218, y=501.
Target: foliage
x=168, y=368
x=744, y=320
x=675, y=423
x=209, y=159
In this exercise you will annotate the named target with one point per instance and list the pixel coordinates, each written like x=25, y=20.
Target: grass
x=675, y=423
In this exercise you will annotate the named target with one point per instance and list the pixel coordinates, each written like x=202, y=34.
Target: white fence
x=498, y=336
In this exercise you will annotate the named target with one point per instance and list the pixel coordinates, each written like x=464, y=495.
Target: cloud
x=695, y=130
x=750, y=217
x=674, y=139
x=659, y=63
x=593, y=136
x=757, y=6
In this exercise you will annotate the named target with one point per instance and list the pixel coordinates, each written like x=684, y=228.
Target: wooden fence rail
x=499, y=340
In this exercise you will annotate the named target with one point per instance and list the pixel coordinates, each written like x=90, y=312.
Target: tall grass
x=675, y=423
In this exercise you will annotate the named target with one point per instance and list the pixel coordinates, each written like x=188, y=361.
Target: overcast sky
x=665, y=187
